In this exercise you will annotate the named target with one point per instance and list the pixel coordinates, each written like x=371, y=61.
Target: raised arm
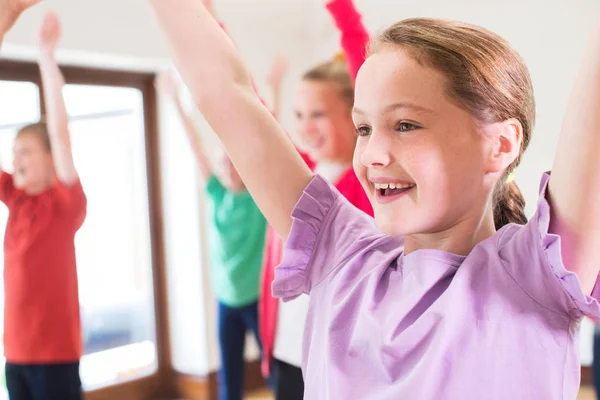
x=209, y=5
x=355, y=36
x=56, y=112
x=574, y=187
x=269, y=165
x=167, y=86
x=10, y=10
x=274, y=80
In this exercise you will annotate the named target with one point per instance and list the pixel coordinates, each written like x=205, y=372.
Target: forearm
x=194, y=138
x=57, y=119
x=206, y=57
x=574, y=185
x=221, y=88
x=276, y=107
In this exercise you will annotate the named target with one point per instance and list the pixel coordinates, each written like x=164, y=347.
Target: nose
x=376, y=152
x=17, y=161
x=306, y=127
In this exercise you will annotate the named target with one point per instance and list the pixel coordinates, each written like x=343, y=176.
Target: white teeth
x=394, y=185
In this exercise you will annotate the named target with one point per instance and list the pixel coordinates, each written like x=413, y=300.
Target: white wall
x=110, y=29
x=121, y=33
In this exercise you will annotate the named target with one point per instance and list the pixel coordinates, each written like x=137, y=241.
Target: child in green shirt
x=237, y=237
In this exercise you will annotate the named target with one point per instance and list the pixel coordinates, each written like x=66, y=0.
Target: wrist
x=46, y=54
x=5, y=24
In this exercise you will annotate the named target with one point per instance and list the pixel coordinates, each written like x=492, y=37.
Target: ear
x=505, y=144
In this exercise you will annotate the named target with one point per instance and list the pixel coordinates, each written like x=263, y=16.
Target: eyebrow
x=395, y=106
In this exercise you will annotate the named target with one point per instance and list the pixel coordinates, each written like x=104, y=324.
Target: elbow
x=226, y=78
x=222, y=98
x=68, y=177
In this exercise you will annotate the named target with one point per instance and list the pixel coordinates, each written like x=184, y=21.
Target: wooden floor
x=584, y=394
x=263, y=395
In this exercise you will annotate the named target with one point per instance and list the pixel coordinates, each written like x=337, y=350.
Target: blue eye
x=406, y=127
x=363, y=130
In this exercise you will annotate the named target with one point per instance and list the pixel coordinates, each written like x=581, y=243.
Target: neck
x=459, y=238
x=34, y=190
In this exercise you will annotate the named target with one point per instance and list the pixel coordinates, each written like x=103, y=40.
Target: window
x=118, y=247
x=113, y=245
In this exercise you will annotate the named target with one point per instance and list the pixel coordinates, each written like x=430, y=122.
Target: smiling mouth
x=392, y=189
x=316, y=144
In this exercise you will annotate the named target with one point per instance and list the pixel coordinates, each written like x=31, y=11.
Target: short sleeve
x=7, y=187
x=72, y=200
x=214, y=189
x=327, y=232
x=532, y=255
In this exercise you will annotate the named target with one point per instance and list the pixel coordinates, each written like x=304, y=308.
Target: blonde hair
x=485, y=76
x=334, y=71
x=40, y=131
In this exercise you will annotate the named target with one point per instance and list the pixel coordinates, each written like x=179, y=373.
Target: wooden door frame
x=159, y=385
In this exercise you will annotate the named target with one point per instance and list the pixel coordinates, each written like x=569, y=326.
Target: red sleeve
x=72, y=201
x=355, y=36
x=269, y=305
x=307, y=160
x=7, y=187
x=362, y=201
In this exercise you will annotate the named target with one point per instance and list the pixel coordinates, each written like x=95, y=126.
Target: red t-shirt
x=41, y=306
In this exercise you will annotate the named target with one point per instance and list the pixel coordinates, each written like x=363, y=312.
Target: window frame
x=160, y=383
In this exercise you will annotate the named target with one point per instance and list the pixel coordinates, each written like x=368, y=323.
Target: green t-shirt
x=237, y=241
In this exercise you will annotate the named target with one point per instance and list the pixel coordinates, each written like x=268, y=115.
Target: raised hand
x=277, y=72
x=50, y=33
x=57, y=118
x=10, y=10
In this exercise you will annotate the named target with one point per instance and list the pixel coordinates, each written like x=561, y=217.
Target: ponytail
x=509, y=205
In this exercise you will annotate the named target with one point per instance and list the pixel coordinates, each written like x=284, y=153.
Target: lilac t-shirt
x=501, y=323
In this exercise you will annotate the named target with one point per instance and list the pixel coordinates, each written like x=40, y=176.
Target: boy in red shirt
x=47, y=205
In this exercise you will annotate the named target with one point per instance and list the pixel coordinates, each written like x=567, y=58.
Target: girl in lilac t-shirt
x=448, y=293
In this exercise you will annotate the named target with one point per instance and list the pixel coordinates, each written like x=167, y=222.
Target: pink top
x=501, y=323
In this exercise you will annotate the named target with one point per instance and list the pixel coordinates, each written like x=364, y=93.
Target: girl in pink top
x=440, y=298
x=323, y=107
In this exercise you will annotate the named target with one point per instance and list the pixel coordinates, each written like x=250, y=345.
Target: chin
x=389, y=229
x=19, y=184
x=395, y=225
x=235, y=187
